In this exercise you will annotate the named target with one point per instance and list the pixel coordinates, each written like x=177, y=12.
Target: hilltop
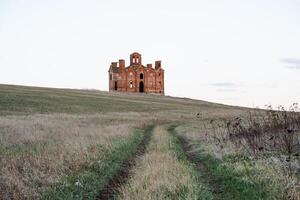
x=39, y=100
x=89, y=144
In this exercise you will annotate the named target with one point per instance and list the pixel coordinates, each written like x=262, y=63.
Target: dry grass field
x=78, y=144
x=159, y=175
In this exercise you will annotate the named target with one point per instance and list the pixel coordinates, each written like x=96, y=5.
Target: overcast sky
x=233, y=52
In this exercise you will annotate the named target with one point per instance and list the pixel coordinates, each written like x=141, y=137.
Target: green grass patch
x=19, y=100
x=235, y=184
x=24, y=100
x=86, y=183
x=201, y=191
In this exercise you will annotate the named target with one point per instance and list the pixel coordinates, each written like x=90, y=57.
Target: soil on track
x=193, y=157
x=113, y=185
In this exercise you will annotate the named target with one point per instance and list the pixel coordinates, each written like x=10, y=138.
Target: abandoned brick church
x=136, y=77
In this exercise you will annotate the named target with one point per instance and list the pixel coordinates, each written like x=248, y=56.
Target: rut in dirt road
x=111, y=188
x=193, y=157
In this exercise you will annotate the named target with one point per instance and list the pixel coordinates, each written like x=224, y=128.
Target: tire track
x=113, y=185
x=193, y=157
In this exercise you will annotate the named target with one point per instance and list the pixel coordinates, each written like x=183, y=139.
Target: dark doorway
x=141, y=86
x=116, y=85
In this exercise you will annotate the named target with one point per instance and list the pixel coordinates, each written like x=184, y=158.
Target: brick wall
x=136, y=77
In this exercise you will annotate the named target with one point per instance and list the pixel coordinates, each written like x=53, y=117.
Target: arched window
x=141, y=76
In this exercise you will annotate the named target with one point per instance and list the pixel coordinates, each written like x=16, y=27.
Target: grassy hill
x=31, y=100
x=79, y=144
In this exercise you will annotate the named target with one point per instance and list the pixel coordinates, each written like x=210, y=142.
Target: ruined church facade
x=136, y=77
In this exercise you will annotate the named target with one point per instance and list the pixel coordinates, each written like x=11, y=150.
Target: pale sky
x=233, y=52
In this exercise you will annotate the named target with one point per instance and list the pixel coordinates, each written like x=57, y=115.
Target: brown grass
x=263, y=144
x=37, y=150
x=159, y=175
x=48, y=133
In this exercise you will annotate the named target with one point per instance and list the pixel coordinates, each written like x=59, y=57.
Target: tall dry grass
x=264, y=144
x=159, y=175
x=37, y=150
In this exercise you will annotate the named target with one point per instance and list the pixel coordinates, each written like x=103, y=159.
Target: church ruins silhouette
x=136, y=77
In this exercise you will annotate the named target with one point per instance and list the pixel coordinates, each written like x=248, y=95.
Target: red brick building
x=136, y=77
